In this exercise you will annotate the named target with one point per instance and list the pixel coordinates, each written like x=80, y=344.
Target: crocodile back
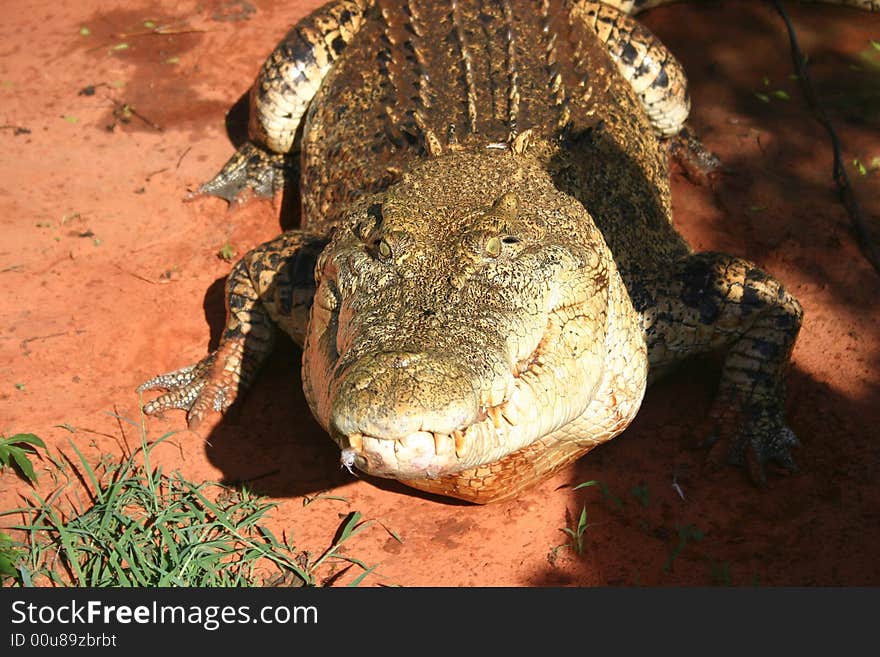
x=424, y=77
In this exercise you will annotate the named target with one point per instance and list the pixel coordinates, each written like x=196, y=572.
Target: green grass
x=576, y=530
x=686, y=534
x=607, y=494
x=641, y=493
x=143, y=527
x=576, y=533
x=227, y=252
x=11, y=553
x=766, y=95
x=720, y=573
x=16, y=452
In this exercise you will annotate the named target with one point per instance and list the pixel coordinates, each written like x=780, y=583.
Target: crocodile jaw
x=528, y=411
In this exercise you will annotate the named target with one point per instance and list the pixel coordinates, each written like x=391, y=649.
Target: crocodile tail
x=638, y=6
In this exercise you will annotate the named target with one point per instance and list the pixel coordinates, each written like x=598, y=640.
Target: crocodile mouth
x=497, y=431
x=429, y=453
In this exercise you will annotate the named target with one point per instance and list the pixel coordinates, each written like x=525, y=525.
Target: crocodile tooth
x=499, y=437
x=522, y=405
x=494, y=413
x=497, y=393
x=458, y=436
x=487, y=435
x=442, y=443
x=510, y=413
x=356, y=442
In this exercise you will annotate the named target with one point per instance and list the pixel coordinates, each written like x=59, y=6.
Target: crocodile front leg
x=713, y=301
x=279, y=97
x=653, y=71
x=270, y=288
x=656, y=76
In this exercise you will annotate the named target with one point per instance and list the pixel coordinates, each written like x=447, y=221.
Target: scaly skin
x=496, y=276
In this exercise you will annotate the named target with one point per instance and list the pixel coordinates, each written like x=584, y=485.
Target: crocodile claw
x=211, y=385
x=251, y=170
x=763, y=438
x=697, y=161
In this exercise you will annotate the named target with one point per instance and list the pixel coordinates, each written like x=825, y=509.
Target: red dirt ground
x=109, y=278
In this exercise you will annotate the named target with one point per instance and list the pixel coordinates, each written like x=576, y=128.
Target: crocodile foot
x=251, y=170
x=212, y=384
x=751, y=436
x=697, y=161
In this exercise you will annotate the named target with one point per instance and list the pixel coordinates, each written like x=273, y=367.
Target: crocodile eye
x=384, y=249
x=510, y=239
x=493, y=247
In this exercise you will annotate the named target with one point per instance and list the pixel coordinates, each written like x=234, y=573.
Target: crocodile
x=486, y=277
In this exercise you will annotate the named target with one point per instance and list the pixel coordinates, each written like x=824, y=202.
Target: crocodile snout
x=392, y=395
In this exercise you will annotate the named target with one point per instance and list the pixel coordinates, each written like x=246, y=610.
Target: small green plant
x=720, y=572
x=143, y=527
x=226, y=252
x=11, y=555
x=607, y=494
x=351, y=525
x=575, y=531
x=309, y=500
x=16, y=451
x=576, y=534
x=871, y=54
x=686, y=534
x=641, y=493
x=767, y=94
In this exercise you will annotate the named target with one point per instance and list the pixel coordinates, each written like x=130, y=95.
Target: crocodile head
x=462, y=315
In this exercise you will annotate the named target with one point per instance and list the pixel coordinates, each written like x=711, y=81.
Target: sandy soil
x=108, y=278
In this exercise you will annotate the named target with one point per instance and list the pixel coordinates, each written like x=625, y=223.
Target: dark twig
x=161, y=281
x=183, y=155
x=16, y=129
x=125, y=448
x=121, y=109
x=841, y=179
